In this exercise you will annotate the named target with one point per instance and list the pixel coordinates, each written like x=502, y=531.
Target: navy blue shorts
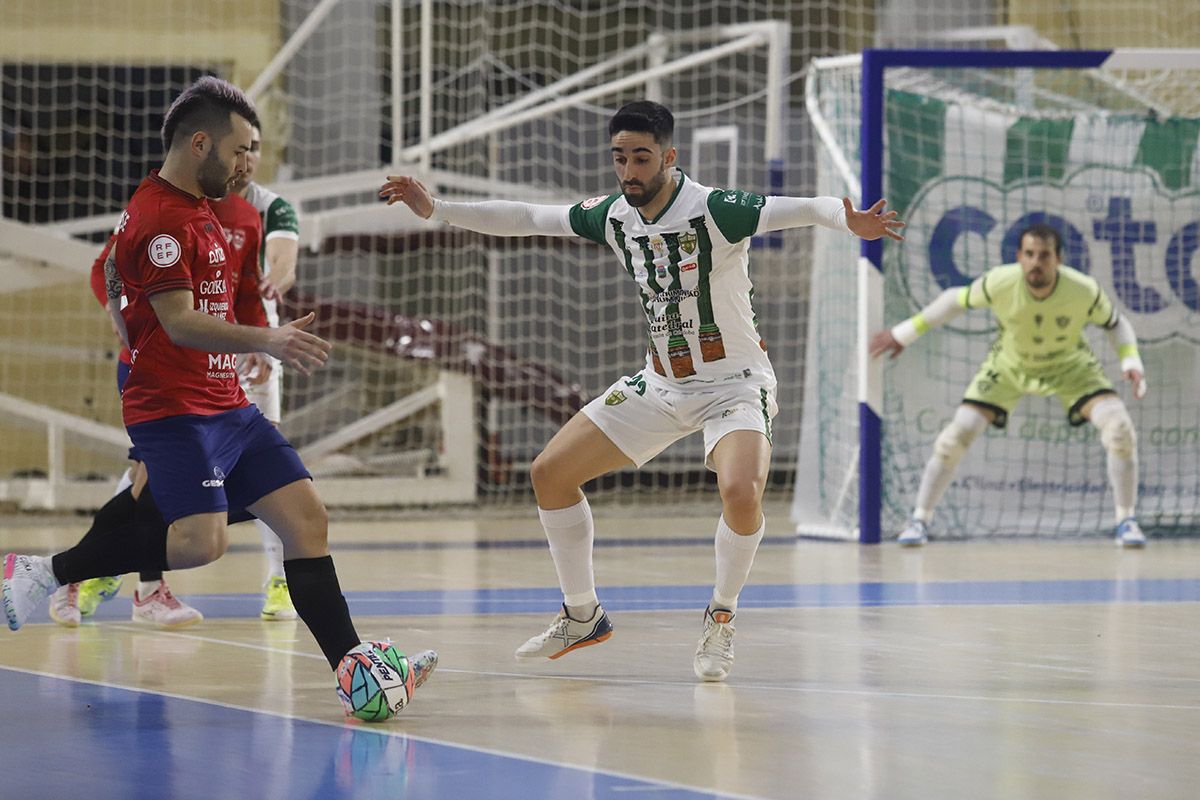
x=200, y=464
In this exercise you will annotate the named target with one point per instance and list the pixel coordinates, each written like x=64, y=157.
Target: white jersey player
x=262, y=376
x=686, y=246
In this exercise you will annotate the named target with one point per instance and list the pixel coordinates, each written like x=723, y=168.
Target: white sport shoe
x=1129, y=534
x=163, y=610
x=565, y=635
x=64, y=606
x=423, y=664
x=28, y=580
x=915, y=535
x=714, y=653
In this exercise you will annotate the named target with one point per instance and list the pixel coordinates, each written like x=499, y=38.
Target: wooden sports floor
x=997, y=669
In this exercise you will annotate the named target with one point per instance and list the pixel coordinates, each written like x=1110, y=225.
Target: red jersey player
x=153, y=602
x=206, y=449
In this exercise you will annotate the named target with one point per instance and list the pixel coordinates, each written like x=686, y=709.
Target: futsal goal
x=971, y=147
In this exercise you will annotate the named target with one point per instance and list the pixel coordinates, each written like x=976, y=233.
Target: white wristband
x=906, y=333
x=1132, y=362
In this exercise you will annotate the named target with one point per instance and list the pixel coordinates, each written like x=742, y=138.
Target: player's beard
x=1038, y=280
x=213, y=176
x=649, y=192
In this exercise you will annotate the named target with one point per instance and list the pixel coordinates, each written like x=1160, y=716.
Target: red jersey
x=242, y=226
x=243, y=230
x=170, y=240
x=98, y=289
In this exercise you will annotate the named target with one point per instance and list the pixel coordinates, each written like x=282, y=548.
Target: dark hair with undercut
x=644, y=116
x=1047, y=233
x=205, y=106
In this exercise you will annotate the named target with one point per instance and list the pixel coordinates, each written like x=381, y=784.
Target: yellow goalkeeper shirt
x=1040, y=336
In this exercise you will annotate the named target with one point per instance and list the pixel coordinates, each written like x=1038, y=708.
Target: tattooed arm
x=115, y=289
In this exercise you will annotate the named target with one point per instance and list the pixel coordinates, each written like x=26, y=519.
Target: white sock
x=1123, y=476
x=125, y=482
x=934, y=480
x=272, y=548
x=735, y=556
x=145, y=589
x=1121, y=450
x=570, y=534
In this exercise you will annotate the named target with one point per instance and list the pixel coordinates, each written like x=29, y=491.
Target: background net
x=539, y=326
x=972, y=157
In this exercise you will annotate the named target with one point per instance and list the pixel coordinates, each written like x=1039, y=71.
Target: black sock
x=313, y=584
x=152, y=536
x=126, y=535
x=115, y=520
x=150, y=576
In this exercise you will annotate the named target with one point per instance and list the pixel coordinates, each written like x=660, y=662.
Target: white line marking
x=690, y=684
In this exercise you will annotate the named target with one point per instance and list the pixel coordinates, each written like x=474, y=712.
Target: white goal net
x=457, y=356
x=1110, y=157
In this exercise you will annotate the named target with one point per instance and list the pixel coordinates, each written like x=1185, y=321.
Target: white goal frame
x=874, y=63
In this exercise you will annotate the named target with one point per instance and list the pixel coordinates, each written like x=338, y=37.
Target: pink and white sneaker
x=162, y=609
x=28, y=580
x=64, y=606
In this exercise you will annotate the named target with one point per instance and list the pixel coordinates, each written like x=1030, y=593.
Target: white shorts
x=268, y=395
x=643, y=416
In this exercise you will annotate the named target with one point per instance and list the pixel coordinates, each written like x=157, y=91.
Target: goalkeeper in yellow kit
x=1042, y=308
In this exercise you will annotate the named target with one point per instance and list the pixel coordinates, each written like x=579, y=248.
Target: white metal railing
x=55, y=490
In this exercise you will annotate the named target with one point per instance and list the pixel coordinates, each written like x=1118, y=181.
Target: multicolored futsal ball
x=374, y=681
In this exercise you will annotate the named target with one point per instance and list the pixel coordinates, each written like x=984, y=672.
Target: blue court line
x=693, y=598
x=519, y=544
x=67, y=738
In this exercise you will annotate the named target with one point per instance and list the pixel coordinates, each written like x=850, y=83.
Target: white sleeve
x=780, y=213
x=505, y=218
x=944, y=308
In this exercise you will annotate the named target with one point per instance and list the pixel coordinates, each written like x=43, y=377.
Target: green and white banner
x=1124, y=192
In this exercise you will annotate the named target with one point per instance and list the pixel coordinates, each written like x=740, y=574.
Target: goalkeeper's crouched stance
x=1028, y=358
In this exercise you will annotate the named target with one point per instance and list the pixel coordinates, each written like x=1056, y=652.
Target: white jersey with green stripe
x=691, y=266
x=1040, y=336
x=279, y=217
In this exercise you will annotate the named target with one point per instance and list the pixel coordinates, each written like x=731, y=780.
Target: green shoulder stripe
x=280, y=216
x=587, y=218
x=735, y=212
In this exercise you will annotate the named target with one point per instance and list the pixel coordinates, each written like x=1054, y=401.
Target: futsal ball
x=374, y=681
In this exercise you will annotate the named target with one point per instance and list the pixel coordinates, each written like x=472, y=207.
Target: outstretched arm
x=1124, y=340
x=494, y=217
x=945, y=307
x=188, y=327
x=780, y=213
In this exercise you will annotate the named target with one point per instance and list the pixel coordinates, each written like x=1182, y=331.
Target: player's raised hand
x=1138, y=380
x=410, y=191
x=297, y=348
x=884, y=342
x=874, y=223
